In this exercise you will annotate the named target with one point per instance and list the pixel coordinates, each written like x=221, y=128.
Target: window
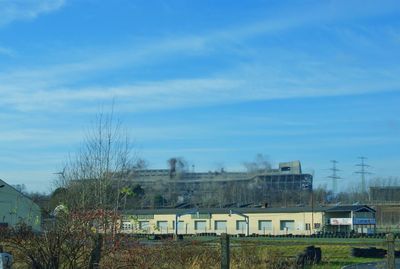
x=181, y=225
x=285, y=168
x=220, y=225
x=317, y=225
x=241, y=225
x=144, y=225
x=287, y=225
x=200, y=225
x=264, y=225
x=363, y=215
x=308, y=226
x=162, y=226
x=126, y=226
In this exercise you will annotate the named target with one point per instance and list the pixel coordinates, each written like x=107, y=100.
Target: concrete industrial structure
x=249, y=221
x=221, y=187
x=388, y=194
x=386, y=201
x=16, y=208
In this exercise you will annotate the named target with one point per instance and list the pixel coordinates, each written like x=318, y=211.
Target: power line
x=363, y=172
x=334, y=175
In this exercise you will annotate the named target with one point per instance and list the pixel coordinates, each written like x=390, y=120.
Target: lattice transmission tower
x=363, y=172
x=334, y=176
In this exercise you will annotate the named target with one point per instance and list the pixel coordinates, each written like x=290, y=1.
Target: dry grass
x=192, y=254
x=195, y=255
x=166, y=255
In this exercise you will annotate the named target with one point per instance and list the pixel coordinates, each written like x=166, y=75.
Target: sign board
x=340, y=221
x=359, y=221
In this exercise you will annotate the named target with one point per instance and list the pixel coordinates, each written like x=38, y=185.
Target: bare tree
x=66, y=243
x=93, y=175
x=91, y=188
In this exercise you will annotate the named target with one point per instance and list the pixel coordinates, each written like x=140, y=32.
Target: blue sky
x=215, y=82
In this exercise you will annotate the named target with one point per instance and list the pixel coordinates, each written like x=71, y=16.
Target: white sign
x=340, y=221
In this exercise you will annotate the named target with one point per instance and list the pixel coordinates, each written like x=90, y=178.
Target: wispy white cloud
x=281, y=74
x=247, y=83
x=13, y=10
x=40, y=137
x=155, y=50
x=30, y=161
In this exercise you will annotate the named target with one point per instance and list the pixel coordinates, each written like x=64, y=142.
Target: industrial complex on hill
x=221, y=188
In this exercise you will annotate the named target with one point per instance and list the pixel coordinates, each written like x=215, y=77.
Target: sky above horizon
x=215, y=82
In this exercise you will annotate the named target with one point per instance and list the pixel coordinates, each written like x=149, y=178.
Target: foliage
x=124, y=251
x=64, y=244
x=138, y=191
x=67, y=241
x=159, y=201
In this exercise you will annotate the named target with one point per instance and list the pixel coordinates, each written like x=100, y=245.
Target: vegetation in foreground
x=127, y=252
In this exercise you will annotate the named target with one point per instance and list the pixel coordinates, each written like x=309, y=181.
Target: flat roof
x=250, y=210
x=347, y=208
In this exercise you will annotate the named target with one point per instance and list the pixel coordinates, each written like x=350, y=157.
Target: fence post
x=225, y=251
x=390, y=252
x=95, y=255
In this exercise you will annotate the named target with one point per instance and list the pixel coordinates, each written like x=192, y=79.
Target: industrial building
x=250, y=221
x=220, y=188
x=386, y=201
x=388, y=194
x=16, y=208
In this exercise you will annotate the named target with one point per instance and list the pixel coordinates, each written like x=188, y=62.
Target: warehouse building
x=250, y=221
x=244, y=221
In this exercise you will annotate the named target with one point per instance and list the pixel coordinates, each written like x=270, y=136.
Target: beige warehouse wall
x=207, y=225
